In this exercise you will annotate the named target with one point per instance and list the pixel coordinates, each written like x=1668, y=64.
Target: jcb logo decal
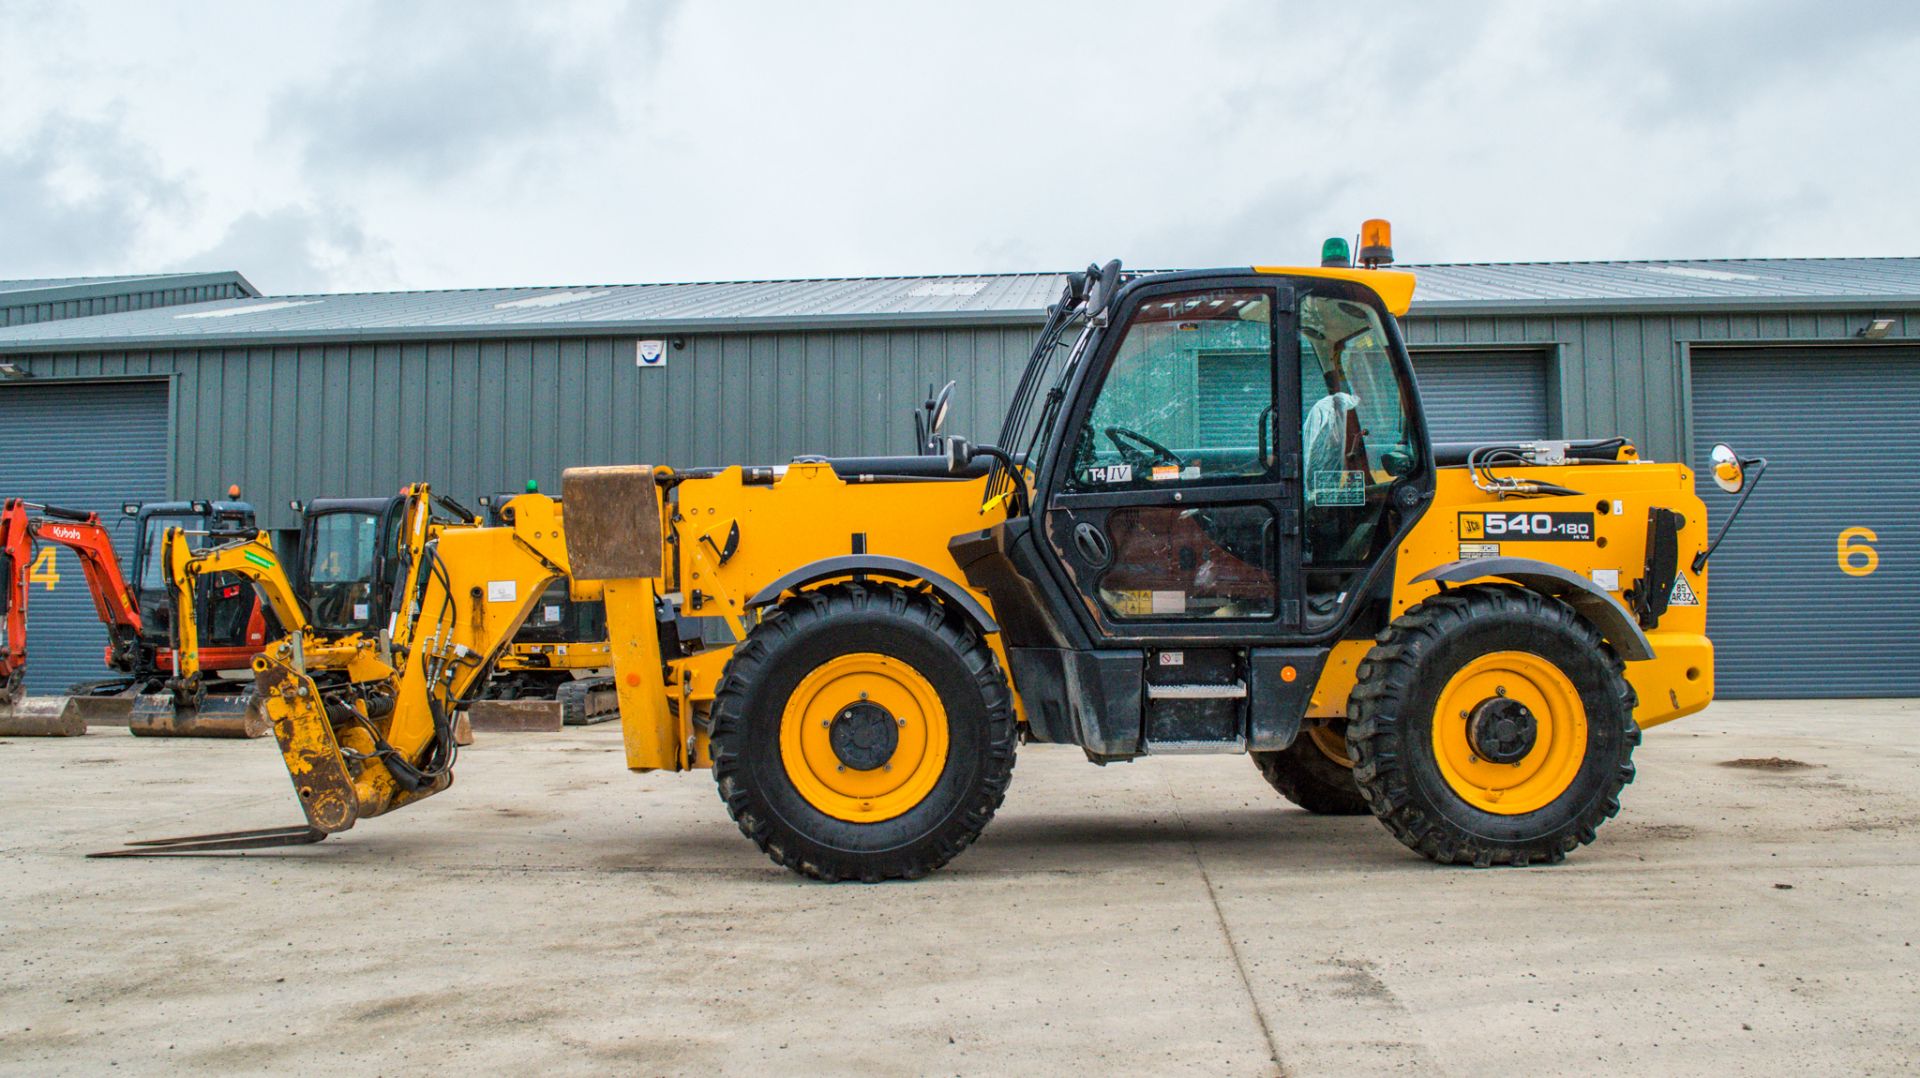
x=1473, y=526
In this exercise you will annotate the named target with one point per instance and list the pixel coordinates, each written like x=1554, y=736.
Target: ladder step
x=1235, y=691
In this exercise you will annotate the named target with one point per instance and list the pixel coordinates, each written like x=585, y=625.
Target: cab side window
x=1188, y=397
x=1355, y=437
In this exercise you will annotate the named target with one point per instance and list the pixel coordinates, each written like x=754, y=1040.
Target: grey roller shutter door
x=79, y=445
x=1235, y=387
x=1841, y=428
x=1483, y=396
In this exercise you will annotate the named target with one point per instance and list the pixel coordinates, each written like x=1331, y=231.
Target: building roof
x=27, y=290
x=572, y=310
x=1716, y=283
x=1009, y=298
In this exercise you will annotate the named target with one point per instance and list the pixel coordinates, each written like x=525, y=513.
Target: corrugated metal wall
x=88, y=446
x=20, y=314
x=1624, y=373
x=1814, y=592
x=302, y=421
x=473, y=417
x=1474, y=396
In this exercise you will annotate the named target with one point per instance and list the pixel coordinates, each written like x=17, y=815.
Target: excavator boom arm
x=16, y=555
x=90, y=541
x=365, y=748
x=252, y=558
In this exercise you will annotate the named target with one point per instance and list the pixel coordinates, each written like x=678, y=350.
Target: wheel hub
x=864, y=735
x=1502, y=730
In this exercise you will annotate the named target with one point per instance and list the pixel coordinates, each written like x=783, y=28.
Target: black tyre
x=1492, y=725
x=863, y=732
x=1309, y=774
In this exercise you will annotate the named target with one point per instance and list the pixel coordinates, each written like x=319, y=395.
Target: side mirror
x=941, y=405
x=1106, y=281
x=1396, y=463
x=1728, y=473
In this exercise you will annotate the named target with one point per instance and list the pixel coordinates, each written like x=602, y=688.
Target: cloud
x=444, y=90
x=78, y=196
x=297, y=249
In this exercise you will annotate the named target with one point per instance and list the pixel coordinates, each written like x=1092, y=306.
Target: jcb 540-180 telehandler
x=1212, y=523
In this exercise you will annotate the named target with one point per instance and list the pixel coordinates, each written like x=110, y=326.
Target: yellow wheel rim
x=899, y=779
x=1559, y=743
x=1331, y=742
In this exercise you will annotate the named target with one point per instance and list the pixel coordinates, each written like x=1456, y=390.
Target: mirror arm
x=1759, y=469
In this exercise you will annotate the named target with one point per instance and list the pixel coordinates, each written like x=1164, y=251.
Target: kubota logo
x=59, y=532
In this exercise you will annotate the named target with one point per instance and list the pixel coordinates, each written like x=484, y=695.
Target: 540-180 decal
x=1528, y=527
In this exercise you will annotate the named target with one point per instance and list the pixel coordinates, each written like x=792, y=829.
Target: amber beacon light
x=1376, y=243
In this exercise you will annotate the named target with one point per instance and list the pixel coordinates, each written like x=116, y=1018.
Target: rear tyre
x=1492, y=725
x=862, y=732
x=1314, y=772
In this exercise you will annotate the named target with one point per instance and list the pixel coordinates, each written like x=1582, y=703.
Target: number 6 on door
x=1856, y=557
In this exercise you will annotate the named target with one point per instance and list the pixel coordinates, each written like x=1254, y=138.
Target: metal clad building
x=480, y=390
x=49, y=299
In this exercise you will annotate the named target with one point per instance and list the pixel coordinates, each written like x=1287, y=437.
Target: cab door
x=1172, y=492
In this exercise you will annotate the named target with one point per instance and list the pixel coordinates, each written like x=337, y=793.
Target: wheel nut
x=840, y=767
x=902, y=722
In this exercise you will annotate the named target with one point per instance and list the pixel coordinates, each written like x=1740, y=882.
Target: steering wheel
x=1134, y=454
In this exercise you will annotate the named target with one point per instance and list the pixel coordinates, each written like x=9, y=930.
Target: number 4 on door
x=46, y=568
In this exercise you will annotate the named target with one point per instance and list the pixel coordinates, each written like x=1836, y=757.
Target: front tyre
x=862, y=731
x=1492, y=725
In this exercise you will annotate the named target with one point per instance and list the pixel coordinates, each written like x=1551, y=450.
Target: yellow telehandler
x=1213, y=522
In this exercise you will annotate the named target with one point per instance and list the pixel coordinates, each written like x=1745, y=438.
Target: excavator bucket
x=41, y=716
x=158, y=715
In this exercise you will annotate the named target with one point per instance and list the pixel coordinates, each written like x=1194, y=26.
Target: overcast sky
x=351, y=146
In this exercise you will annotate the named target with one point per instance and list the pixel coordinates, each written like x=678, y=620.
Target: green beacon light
x=533, y=486
x=1334, y=252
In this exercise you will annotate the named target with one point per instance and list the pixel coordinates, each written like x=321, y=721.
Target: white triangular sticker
x=1682, y=593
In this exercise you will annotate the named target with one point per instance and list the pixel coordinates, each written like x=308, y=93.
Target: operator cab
x=227, y=600
x=350, y=561
x=1220, y=468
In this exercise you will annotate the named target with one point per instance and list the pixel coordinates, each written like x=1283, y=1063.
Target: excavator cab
x=231, y=615
x=350, y=561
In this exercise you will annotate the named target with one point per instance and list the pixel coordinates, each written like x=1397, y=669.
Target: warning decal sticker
x=1683, y=593
x=1339, y=488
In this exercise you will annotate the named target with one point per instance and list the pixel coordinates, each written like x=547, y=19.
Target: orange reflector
x=1288, y=673
x=633, y=680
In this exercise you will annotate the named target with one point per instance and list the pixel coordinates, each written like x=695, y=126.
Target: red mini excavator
x=16, y=554
x=139, y=645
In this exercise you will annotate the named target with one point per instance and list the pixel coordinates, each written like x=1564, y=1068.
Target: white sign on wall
x=650, y=354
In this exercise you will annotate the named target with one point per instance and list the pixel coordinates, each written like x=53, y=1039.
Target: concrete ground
x=553, y=913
